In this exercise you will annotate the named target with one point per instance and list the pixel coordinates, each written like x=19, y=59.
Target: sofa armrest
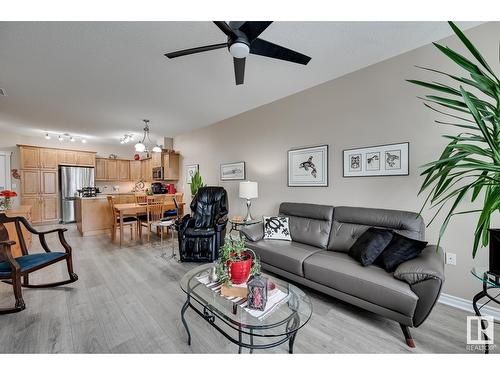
x=253, y=232
x=428, y=265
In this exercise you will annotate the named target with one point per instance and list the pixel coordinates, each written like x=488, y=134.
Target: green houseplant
x=469, y=166
x=236, y=263
x=196, y=183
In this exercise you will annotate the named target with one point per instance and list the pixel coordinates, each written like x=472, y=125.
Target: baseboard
x=464, y=304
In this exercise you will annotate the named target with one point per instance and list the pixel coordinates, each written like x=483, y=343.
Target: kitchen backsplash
x=117, y=187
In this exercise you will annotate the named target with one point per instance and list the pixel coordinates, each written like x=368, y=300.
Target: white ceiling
x=99, y=79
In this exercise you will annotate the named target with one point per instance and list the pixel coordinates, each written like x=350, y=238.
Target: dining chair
x=130, y=221
x=155, y=207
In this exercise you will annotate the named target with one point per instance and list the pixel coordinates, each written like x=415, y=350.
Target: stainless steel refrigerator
x=71, y=179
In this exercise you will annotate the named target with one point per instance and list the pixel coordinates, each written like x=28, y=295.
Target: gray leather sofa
x=317, y=258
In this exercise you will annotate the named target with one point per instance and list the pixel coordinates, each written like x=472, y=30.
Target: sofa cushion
x=309, y=223
x=399, y=250
x=370, y=245
x=285, y=255
x=350, y=222
x=339, y=271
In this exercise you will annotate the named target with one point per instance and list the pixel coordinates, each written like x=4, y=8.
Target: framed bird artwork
x=308, y=166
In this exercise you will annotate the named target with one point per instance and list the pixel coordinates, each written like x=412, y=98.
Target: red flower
x=8, y=193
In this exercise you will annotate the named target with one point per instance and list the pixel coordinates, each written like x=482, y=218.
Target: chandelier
x=141, y=145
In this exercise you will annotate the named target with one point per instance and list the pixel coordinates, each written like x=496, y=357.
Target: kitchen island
x=93, y=214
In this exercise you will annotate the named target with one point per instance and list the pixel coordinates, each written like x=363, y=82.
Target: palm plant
x=471, y=160
x=196, y=183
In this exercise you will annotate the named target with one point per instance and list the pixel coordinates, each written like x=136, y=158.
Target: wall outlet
x=451, y=259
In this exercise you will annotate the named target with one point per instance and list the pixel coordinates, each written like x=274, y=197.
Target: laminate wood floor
x=128, y=300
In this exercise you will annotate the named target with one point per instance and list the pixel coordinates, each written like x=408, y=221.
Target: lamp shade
x=249, y=190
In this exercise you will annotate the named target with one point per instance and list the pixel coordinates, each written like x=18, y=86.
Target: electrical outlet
x=451, y=259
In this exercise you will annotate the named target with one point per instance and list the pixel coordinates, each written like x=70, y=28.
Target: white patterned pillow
x=276, y=228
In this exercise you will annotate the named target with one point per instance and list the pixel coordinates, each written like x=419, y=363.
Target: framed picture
x=308, y=166
x=232, y=171
x=190, y=171
x=385, y=160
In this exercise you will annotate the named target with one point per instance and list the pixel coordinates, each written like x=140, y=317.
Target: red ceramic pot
x=240, y=270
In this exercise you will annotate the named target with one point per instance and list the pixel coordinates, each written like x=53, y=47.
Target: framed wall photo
x=190, y=171
x=385, y=160
x=308, y=166
x=232, y=171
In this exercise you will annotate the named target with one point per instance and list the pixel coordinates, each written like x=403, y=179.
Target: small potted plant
x=236, y=262
x=6, y=203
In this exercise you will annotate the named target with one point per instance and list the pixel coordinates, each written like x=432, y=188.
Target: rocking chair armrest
x=62, y=239
x=7, y=254
x=49, y=231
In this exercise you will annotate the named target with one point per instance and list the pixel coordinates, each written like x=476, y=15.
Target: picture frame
x=383, y=160
x=190, y=171
x=308, y=166
x=233, y=171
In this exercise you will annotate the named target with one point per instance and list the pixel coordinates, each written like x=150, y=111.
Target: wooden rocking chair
x=12, y=269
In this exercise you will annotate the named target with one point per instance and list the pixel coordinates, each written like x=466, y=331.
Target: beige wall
x=372, y=106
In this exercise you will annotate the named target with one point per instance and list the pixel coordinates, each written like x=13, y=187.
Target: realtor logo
x=480, y=333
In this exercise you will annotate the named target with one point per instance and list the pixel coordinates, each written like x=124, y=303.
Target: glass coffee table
x=237, y=324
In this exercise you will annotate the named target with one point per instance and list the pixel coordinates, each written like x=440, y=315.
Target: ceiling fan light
x=239, y=50
x=139, y=147
x=156, y=149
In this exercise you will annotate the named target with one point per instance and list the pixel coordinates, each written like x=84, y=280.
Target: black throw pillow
x=370, y=245
x=399, y=250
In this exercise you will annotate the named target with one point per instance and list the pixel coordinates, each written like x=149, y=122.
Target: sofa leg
x=409, y=340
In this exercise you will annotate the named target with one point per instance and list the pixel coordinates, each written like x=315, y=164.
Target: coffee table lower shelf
x=292, y=325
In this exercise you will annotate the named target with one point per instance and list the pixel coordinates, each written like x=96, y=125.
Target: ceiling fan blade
x=253, y=29
x=225, y=28
x=264, y=48
x=239, y=70
x=190, y=51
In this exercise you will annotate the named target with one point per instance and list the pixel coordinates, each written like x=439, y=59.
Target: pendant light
x=141, y=145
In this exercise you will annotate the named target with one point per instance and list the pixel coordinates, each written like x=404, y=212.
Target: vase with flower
x=6, y=199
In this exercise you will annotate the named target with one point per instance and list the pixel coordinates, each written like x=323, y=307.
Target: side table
x=489, y=282
x=237, y=223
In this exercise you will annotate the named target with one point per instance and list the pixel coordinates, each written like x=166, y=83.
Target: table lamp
x=249, y=190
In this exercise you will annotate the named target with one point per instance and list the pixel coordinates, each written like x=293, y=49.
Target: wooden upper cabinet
x=123, y=170
x=156, y=159
x=48, y=158
x=146, y=170
x=135, y=170
x=68, y=157
x=30, y=182
x=48, y=182
x=85, y=158
x=30, y=157
x=171, y=166
x=100, y=169
x=111, y=169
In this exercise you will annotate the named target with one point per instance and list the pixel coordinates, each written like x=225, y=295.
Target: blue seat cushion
x=31, y=261
x=170, y=213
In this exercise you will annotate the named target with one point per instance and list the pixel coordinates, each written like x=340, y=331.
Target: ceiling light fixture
x=65, y=136
x=47, y=136
x=141, y=145
x=126, y=138
x=84, y=140
x=71, y=139
x=60, y=138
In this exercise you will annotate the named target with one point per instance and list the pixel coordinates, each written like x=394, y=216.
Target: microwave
x=158, y=173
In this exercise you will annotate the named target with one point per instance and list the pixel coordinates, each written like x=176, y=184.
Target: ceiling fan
x=243, y=39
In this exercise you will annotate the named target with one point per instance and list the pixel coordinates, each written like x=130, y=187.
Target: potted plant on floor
x=236, y=263
x=470, y=163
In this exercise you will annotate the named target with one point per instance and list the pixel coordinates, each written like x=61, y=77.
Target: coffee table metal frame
x=246, y=333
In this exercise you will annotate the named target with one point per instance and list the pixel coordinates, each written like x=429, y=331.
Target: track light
x=60, y=138
x=84, y=140
x=47, y=136
x=71, y=139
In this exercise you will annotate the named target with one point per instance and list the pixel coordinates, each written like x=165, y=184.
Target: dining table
x=134, y=209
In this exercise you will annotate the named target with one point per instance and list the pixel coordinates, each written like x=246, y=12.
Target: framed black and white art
x=232, y=171
x=308, y=166
x=190, y=172
x=386, y=160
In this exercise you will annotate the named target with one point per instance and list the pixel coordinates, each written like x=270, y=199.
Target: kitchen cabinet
x=171, y=166
x=146, y=170
x=67, y=157
x=100, y=169
x=48, y=158
x=49, y=208
x=30, y=157
x=156, y=159
x=48, y=182
x=85, y=159
x=111, y=169
x=123, y=170
x=30, y=179
x=135, y=170
x=34, y=203
x=39, y=189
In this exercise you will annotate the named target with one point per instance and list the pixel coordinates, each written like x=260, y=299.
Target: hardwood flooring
x=128, y=300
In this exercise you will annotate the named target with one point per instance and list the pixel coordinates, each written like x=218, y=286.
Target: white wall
x=372, y=106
